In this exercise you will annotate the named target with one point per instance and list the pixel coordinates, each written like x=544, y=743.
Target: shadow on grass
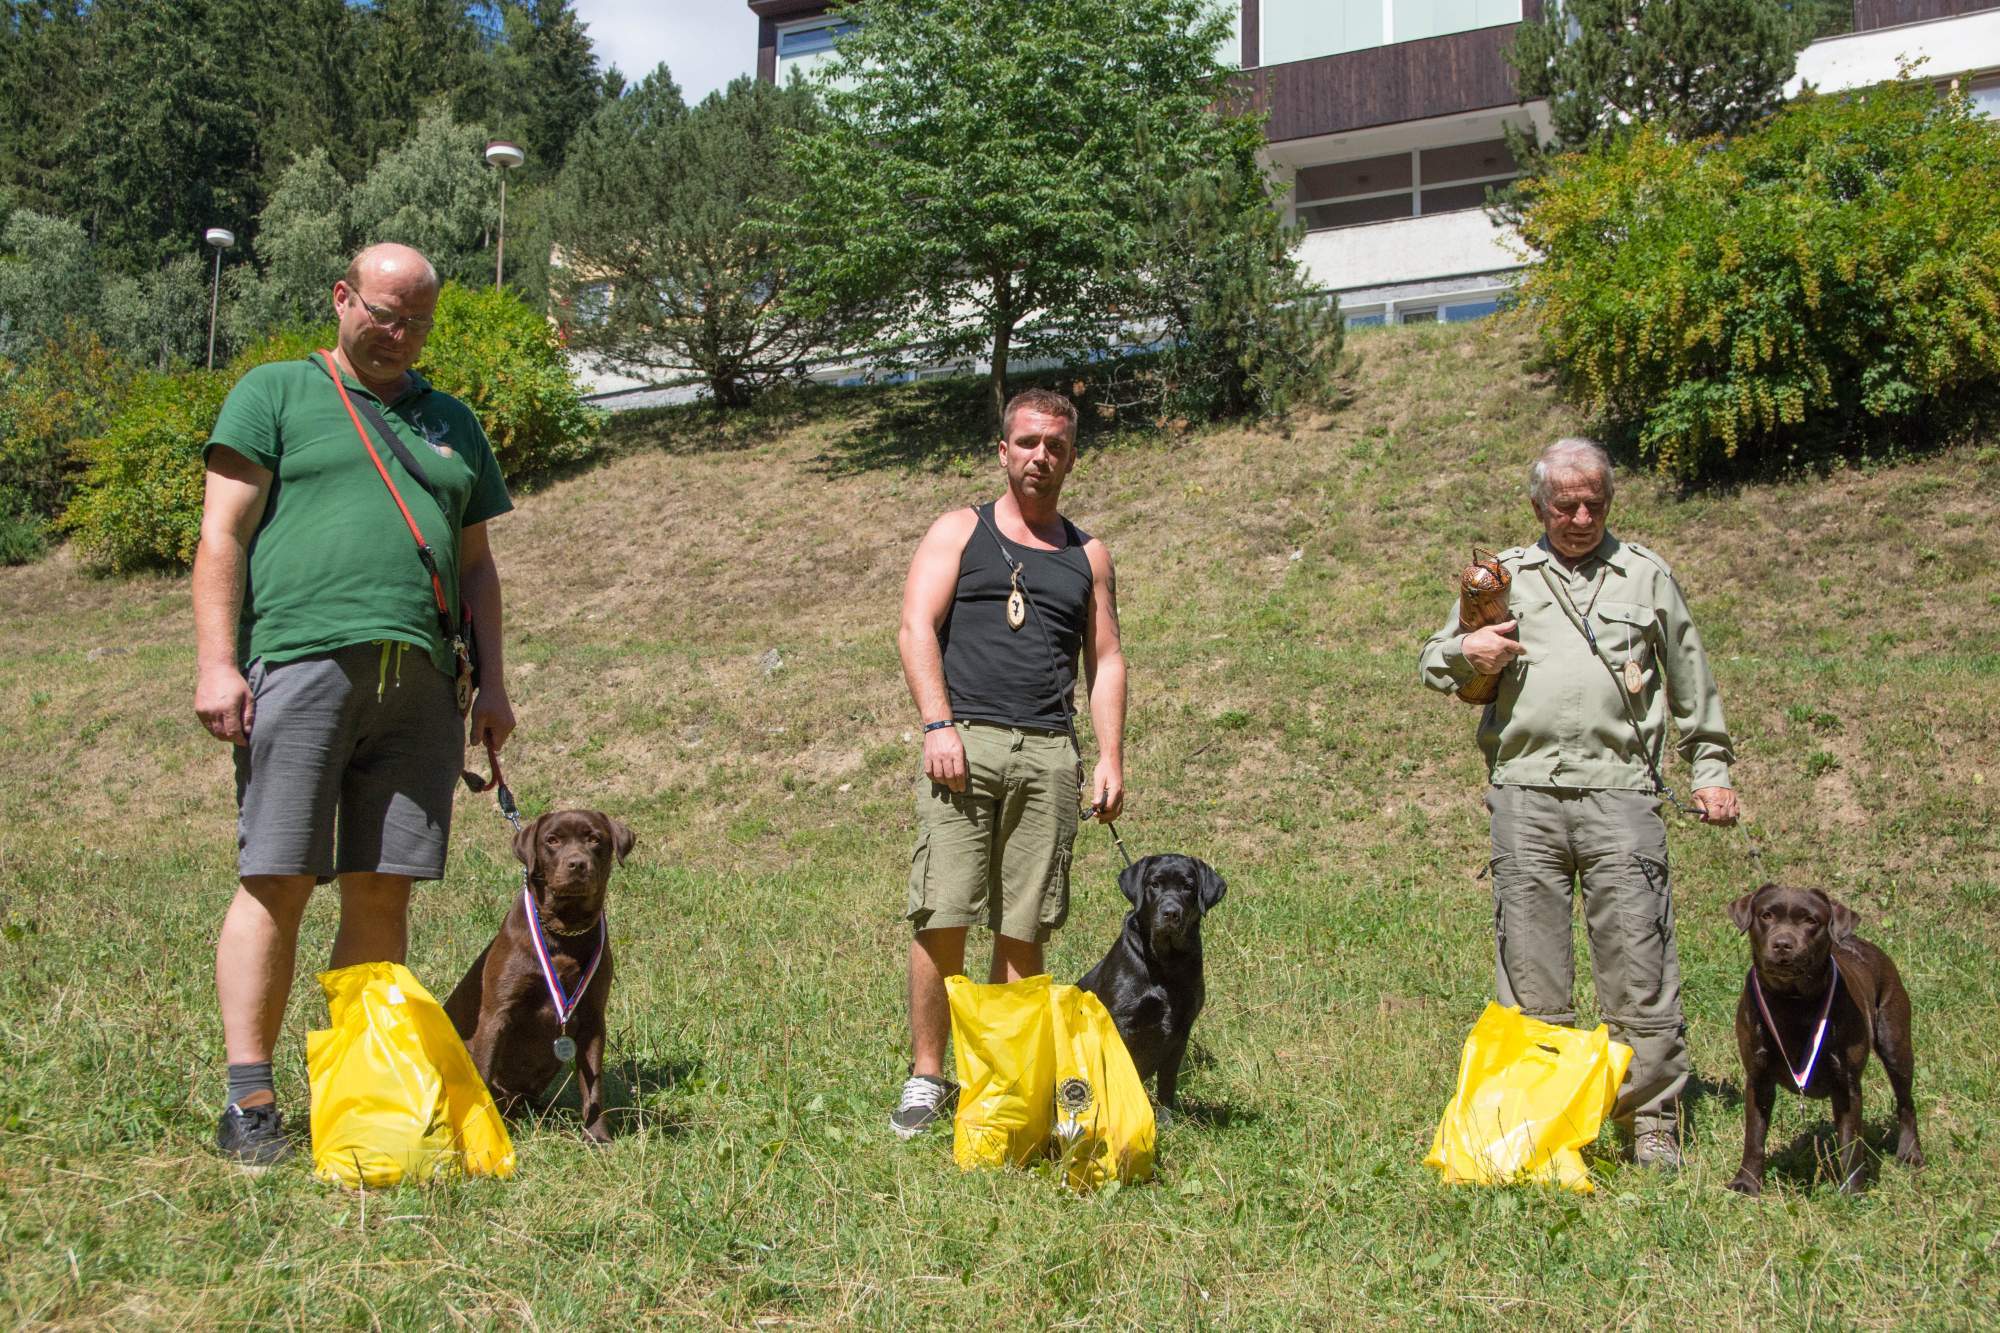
x=686, y=429
x=1812, y=1158
x=1215, y=1115
x=633, y=1091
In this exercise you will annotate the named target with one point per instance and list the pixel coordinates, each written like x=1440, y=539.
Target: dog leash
x=1018, y=568
x=497, y=784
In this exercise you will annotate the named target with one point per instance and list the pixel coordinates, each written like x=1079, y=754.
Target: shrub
x=139, y=504
x=64, y=393
x=1832, y=277
x=23, y=533
x=502, y=358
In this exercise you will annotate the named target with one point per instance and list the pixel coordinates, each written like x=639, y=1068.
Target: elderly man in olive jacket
x=1599, y=652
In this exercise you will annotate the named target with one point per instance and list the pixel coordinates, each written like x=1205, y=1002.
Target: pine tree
x=168, y=148
x=668, y=264
x=1695, y=67
x=549, y=82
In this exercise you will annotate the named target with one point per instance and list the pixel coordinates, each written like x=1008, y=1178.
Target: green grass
x=1276, y=729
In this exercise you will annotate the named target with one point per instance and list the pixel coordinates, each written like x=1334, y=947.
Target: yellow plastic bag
x=1103, y=1120
x=395, y=1095
x=1043, y=1072
x=1530, y=1094
x=1004, y=1048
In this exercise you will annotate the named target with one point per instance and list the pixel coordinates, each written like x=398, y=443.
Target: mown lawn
x=1275, y=588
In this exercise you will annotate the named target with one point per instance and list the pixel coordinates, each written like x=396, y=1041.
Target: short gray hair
x=1569, y=454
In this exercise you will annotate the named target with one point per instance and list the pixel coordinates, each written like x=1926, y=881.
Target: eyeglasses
x=390, y=320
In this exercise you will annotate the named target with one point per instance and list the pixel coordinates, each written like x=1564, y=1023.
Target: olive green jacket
x=1562, y=717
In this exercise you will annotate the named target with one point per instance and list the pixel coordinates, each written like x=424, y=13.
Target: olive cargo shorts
x=998, y=852
x=1615, y=843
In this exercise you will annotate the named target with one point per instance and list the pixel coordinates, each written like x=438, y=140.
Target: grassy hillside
x=1275, y=588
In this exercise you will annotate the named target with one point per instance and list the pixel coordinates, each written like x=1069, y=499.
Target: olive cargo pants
x=1545, y=840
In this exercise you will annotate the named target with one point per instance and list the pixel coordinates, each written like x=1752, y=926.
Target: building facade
x=1386, y=122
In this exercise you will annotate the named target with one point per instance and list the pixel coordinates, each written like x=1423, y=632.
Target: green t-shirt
x=332, y=563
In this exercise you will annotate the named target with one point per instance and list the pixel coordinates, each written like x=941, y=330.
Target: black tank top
x=997, y=674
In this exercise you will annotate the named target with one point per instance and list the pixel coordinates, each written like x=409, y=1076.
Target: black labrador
x=1151, y=980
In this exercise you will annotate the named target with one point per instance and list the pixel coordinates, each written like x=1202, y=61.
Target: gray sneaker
x=925, y=1100
x=252, y=1136
x=1657, y=1150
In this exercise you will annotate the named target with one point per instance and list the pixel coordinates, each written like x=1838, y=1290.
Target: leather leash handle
x=497, y=784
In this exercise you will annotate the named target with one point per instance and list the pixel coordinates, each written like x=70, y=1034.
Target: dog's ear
x=1132, y=879
x=1739, y=911
x=622, y=838
x=1211, y=885
x=1842, y=920
x=525, y=840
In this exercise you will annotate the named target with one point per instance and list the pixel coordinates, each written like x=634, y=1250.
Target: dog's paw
x=1747, y=1184
x=1910, y=1155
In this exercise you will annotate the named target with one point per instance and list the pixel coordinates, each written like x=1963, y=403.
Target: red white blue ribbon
x=565, y=1003
x=1799, y=1077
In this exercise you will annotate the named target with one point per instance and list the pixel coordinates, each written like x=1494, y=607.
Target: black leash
x=1018, y=570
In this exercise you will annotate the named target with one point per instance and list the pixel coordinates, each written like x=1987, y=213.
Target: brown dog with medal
x=534, y=1001
x=1817, y=999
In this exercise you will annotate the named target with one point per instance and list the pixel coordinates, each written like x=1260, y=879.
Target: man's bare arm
x=1104, y=672
x=927, y=595
x=232, y=506
x=479, y=589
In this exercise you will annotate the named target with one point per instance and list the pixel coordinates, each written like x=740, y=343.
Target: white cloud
x=705, y=43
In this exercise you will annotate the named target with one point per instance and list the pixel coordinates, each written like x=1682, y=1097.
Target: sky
x=706, y=43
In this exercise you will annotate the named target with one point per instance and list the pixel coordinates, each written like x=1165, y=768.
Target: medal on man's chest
x=1017, y=604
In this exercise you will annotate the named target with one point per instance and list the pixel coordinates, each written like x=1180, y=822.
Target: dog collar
x=1800, y=1077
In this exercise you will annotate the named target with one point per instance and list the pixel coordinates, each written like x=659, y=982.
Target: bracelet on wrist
x=937, y=726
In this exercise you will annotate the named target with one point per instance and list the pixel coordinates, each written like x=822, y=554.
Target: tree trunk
x=997, y=379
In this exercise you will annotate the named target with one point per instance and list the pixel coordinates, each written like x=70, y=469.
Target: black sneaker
x=253, y=1135
x=925, y=1100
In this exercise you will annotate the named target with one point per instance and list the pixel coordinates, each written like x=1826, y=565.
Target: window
x=1459, y=314
x=1401, y=185
x=591, y=303
x=1986, y=100
x=1374, y=321
x=816, y=35
x=1426, y=316
x=1308, y=29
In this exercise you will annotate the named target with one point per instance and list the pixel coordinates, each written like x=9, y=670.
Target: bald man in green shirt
x=319, y=653
x=1599, y=653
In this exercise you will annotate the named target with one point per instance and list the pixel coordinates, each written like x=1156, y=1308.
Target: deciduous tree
x=978, y=170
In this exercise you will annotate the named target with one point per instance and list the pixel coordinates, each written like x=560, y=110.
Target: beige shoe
x=1657, y=1150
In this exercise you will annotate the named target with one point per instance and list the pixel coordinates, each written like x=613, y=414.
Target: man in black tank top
x=1000, y=603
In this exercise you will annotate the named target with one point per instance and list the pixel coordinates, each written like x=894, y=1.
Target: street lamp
x=502, y=154
x=221, y=238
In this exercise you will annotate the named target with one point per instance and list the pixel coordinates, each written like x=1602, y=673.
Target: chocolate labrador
x=1151, y=980
x=1817, y=998
x=505, y=1008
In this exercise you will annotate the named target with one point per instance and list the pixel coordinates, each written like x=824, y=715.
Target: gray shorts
x=352, y=764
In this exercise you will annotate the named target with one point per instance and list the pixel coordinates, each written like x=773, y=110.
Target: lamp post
x=221, y=238
x=502, y=154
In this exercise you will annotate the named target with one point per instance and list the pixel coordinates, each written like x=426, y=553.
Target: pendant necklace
x=1017, y=604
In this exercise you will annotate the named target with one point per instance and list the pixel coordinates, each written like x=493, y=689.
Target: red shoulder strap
x=423, y=547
